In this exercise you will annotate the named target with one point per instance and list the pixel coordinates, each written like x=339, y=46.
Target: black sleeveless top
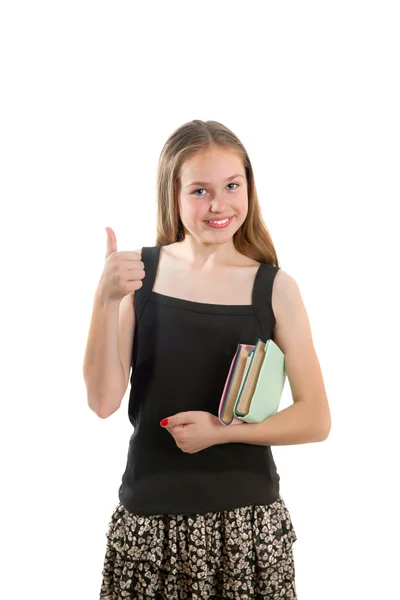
x=182, y=352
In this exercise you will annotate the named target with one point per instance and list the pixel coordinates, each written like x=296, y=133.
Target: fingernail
x=164, y=422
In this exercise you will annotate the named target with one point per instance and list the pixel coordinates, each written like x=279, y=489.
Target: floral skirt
x=243, y=553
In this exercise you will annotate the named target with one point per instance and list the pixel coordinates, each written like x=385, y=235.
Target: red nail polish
x=164, y=422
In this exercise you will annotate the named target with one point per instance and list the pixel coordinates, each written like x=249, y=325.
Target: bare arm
x=107, y=360
x=308, y=418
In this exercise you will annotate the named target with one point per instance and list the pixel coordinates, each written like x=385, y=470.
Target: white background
x=90, y=91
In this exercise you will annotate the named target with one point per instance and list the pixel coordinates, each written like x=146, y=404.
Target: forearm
x=297, y=424
x=102, y=368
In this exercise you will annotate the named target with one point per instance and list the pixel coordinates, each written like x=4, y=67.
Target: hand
x=195, y=430
x=123, y=272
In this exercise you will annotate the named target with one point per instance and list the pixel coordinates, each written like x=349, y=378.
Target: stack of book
x=254, y=385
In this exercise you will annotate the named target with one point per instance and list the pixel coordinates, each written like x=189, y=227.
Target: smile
x=219, y=224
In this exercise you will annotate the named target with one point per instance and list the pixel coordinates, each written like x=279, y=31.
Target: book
x=254, y=384
x=233, y=383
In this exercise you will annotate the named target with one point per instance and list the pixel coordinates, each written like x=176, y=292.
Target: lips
x=219, y=223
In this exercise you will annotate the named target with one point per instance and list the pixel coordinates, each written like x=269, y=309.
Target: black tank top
x=181, y=355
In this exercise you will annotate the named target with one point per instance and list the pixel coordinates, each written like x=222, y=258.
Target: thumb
x=111, y=241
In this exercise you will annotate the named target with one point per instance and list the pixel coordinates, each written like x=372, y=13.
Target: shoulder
x=287, y=302
x=292, y=329
x=285, y=285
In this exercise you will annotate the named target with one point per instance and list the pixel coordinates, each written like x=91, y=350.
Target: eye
x=200, y=189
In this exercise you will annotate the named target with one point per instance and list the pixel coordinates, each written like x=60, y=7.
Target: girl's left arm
x=308, y=418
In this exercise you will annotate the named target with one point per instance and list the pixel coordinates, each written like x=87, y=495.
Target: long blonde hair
x=252, y=238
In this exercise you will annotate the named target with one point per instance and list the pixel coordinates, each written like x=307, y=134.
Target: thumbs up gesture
x=123, y=271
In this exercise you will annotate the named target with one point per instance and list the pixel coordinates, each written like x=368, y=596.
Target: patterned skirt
x=243, y=553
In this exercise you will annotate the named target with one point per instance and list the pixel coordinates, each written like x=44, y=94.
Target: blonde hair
x=252, y=238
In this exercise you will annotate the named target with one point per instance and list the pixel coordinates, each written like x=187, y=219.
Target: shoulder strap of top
x=262, y=294
x=150, y=258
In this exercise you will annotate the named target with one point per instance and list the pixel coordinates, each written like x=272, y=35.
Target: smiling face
x=213, y=201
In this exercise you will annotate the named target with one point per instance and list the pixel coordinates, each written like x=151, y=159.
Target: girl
x=200, y=514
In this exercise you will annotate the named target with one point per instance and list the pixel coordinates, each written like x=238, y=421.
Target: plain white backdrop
x=90, y=91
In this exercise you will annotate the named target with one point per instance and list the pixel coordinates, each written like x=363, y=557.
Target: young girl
x=200, y=514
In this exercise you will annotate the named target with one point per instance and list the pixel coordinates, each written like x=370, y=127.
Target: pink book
x=232, y=385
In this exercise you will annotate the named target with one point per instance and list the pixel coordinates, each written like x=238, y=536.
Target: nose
x=218, y=203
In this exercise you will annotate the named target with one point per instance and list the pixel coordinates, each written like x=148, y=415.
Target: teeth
x=219, y=222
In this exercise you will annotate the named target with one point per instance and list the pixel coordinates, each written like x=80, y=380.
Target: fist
x=123, y=272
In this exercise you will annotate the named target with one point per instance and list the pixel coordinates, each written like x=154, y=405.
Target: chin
x=219, y=237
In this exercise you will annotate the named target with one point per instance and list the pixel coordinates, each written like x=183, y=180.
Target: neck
x=203, y=254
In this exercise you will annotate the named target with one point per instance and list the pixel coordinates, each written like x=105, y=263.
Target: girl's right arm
x=107, y=361
x=108, y=352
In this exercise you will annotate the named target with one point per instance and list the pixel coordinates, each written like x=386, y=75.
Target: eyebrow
x=206, y=183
